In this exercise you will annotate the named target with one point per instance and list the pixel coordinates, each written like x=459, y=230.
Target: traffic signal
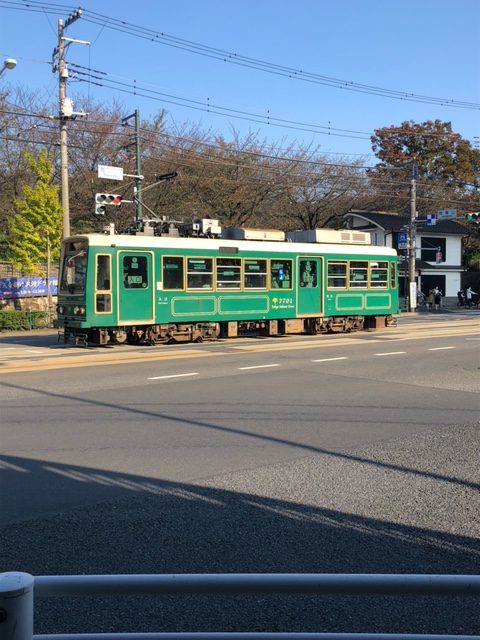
x=102, y=199
x=473, y=217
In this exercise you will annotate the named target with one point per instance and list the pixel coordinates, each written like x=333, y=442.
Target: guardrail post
x=16, y=606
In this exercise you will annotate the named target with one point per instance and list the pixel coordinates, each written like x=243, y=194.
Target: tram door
x=135, y=287
x=309, y=286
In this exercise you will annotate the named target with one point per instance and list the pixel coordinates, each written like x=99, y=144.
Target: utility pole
x=65, y=112
x=137, y=191
x=412, y=242
x=138, y=169
x=49, y=293
x=62, y=94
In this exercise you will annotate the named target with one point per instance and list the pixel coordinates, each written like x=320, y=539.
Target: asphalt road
x=349, y=454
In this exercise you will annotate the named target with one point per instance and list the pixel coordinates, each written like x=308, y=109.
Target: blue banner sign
x=34, y=287
x=402, y=240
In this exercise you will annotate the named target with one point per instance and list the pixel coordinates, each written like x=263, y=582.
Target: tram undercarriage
x=208, y=331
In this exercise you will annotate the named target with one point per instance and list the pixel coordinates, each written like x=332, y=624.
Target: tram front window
x=74, y=271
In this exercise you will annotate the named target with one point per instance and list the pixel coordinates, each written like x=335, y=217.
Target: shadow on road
x=169, y=527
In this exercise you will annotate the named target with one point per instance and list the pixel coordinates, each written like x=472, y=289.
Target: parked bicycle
x=422, y=304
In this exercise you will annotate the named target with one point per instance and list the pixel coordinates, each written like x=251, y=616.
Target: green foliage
x=472, y=259
x=11, y=320
x=37, y=218
x=439, y=153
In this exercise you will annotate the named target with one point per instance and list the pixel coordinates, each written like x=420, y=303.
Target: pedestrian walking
x=469, y=293
x=437, y=297
x=430, y=299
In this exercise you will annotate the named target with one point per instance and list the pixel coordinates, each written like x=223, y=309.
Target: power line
x=257, y=64
x=262, y=65
x=134, y=88
x=83, y=127
x=137, y=90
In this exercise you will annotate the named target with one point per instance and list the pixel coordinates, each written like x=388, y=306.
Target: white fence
x=18, y=590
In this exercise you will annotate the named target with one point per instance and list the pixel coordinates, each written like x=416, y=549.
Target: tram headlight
x=78, y=311
x=60, y=309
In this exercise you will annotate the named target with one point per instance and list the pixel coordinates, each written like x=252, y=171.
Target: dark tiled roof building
x=438, y=247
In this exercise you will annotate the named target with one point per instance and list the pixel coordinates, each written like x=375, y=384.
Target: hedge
x=12, y=320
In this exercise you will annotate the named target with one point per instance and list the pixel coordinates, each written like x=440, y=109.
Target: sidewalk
x=451, y=309
x=43, y=331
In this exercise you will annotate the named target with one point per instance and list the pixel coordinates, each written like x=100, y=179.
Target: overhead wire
x=158, y=37
x=293, y=178
x=133, y=87
x=222, y=161
x=216, y=110
x=262, y=65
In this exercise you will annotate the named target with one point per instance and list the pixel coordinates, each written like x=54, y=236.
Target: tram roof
x=123, y=241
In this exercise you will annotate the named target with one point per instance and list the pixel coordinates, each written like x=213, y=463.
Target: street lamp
x=9, y=63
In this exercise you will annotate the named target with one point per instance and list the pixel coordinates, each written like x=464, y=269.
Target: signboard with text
x=402, y=240
x=447, y=214
x=33, y=287
x=110, y=173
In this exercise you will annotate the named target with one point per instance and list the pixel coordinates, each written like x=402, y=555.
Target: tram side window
x=280, y=274
x=393, y=275
x=255, y=274
x=103, y=273
x=103, y=301
x=173, y=272
x=135, y=272
x=228, y=273
x=199, y=273
x=308, y=273
x=337, y=275
x=358, y=274
x=379, y=274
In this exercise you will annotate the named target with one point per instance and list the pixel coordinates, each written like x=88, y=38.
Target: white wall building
x=438, y=247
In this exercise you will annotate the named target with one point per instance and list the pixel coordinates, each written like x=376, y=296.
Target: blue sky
x=419, y=47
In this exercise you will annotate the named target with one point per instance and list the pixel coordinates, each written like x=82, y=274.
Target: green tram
x=160, y=289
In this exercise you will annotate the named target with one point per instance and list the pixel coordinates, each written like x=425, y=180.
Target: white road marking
x=331, y=359
x=260, y=366
x=177, y=375
x=390, y=353
x=440, y=348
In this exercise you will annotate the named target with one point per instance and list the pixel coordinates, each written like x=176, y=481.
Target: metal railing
x=18, y=590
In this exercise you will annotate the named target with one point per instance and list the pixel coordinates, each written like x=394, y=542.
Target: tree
x=20, y=129
x=37, y=219
x=448, y=167
x=439, y=153
x=320, y=192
